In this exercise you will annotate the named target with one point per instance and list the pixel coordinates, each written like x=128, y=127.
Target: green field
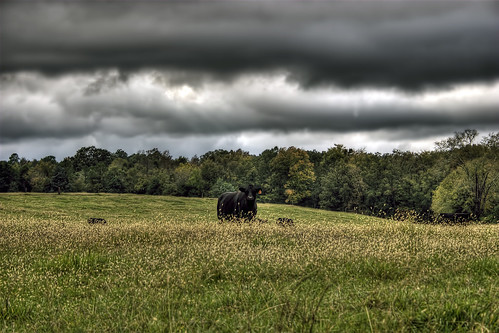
x=166, y=264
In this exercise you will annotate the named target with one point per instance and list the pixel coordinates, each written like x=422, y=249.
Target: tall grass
x=166, y=264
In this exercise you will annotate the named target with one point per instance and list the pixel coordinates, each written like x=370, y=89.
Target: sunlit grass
x=167, y=264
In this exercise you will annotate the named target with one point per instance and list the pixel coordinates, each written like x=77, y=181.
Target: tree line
x=459, y=176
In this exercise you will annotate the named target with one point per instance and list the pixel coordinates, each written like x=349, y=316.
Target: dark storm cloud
x=196, y=76
x=410, y=45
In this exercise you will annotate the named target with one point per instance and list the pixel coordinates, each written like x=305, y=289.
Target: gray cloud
x=37, y=106
x=410, y=45
x=415, y=139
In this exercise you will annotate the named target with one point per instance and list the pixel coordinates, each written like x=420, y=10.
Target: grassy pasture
x=166, y=264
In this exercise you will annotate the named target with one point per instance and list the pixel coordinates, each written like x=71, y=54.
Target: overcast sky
x=195, y=76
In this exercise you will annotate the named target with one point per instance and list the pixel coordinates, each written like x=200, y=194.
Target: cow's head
x=251, y=192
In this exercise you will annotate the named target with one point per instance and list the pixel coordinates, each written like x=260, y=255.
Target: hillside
x=165, y=264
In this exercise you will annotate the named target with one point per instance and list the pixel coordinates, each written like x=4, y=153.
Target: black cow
x=238, y=205
x=93, y=220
